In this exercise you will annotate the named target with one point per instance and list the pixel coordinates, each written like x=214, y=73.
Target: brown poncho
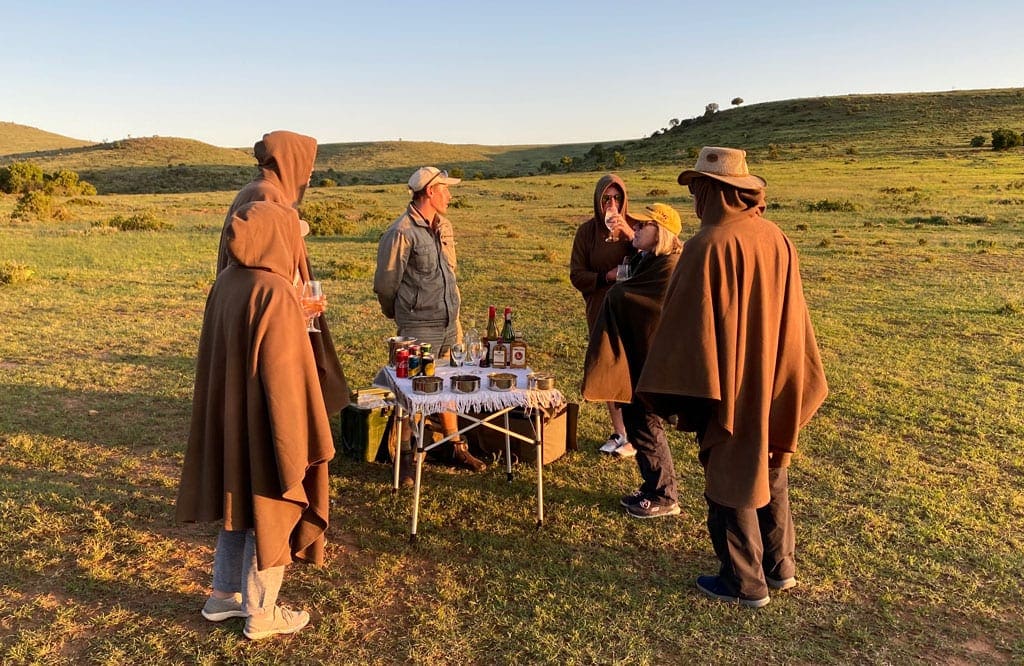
x=622, y=333
x=286, y=162
x=260, y=437
x=735, y=330
x=592, y=257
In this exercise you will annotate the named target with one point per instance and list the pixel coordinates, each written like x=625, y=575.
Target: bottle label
x=517, y=355
x=499, y=355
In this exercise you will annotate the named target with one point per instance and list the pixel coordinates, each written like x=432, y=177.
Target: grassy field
x=908, y=491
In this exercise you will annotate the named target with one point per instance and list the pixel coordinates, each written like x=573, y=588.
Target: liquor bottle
x=517, y=353
x=500, y=352
x=490, y=339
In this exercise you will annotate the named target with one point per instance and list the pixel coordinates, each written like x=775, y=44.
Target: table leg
x=421, y=455
x=508, y=451
x=398, y=446
x=539, y=443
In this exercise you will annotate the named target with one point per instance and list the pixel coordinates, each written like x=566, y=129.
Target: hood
x=287, y=159
x=267, y=236
x=716, y=202
x=602, y=184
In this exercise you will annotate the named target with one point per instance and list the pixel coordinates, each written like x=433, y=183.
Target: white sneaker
x=614, y=441
x=625, y=451
x=277, y=620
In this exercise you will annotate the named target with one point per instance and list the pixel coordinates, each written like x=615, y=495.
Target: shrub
x=40, y=205
x=67, y=183
x=773, y=151
x=144, y=221
x=978, y=141
x=21, y=178
x=1004, y=139
x=658, y=192
x=618, y=159
x=328, y=182
x=11, y=272
x=456, y=172
x=829, y=206
x=326, y=218
x=519, y=196
x=736, y=101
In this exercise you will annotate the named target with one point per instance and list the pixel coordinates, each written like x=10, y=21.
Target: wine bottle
x=499, y=356
x=491, y=337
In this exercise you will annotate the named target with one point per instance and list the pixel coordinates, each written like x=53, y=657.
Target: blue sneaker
x=716, y=589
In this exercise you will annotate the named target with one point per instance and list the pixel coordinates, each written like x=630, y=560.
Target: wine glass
x=313, y=303
x=609, y=221
x=458, y=353
x=622, y=272
x=475, y=351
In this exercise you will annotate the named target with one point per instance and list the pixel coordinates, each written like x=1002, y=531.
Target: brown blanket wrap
x=735, y=333
x=260, y=437
x=623, y=330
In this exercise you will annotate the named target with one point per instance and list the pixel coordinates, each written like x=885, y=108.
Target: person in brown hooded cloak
x=739, y=365
x=597, y=252
x=285, y=161
x=260, y=438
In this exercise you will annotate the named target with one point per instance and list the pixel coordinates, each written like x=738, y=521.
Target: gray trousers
x=754, y=543
x=234, y=570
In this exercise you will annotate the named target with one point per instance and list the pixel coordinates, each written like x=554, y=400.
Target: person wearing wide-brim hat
x=737, y=363
x=618, y=349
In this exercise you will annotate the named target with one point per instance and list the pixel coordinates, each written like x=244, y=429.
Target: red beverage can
x=402, y=363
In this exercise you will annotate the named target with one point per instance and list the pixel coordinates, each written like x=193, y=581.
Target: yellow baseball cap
x=663, y=214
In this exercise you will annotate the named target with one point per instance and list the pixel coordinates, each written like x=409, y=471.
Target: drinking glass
x=622, y=272
x=312, y=302
x=475, y=351
x=458, y=354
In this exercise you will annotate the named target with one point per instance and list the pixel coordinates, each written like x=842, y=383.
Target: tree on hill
x=711, y=109
x=736, y=101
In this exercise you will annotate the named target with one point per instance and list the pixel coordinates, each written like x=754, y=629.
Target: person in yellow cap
x=618, y=350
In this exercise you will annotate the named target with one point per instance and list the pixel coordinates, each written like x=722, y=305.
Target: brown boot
x=406, y=469
x=463, y=458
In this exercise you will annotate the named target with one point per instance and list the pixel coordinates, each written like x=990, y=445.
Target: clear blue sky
x=473, y=72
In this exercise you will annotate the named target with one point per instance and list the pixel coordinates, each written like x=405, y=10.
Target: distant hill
x=850, y=124
x=903, y=124
x=15, y=138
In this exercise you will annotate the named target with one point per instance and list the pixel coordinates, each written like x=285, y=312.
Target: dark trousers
x=754, y=543
x=645, y=431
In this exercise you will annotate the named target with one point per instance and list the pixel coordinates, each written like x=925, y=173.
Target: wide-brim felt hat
x=728, y=165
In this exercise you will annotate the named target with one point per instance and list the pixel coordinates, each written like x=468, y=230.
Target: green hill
x=15, y=138
x=912, y=123
x=904, y=124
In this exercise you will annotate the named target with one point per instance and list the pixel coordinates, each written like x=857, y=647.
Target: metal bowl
x=465, y=383
x=501, y=381
x=427, y=384
x=539, y=381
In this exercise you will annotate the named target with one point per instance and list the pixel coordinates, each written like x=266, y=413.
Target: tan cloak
x=286, y=163
x=260, y=437
x=735, y=330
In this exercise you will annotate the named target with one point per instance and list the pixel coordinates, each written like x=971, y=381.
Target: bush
x=21, y=178
x=978, y=141
x=1004, y=139
x=12, y=272
x=326, y=218
x=40, y=205
x=328, y=182
x=67, y=183
x=829, y=206
x=618, y=159
x=144, y=221
x=457, y=172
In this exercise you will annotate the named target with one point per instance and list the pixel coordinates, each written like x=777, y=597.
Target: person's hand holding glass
x=313, y=304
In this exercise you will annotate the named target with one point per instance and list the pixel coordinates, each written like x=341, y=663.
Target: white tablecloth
x=484, y=400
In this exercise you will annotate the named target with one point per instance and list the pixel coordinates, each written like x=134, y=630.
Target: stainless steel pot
x=501, y=381
x=539, y=381
x=425, y=384
x=465, y=383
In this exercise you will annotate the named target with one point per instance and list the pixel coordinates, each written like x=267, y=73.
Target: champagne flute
x=458, y=353
x=313, y=301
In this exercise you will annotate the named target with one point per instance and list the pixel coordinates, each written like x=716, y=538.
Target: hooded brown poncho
x=286, y=162
x=592, y=257
x=260, y=437
x=623, y=330
x=735, y=331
